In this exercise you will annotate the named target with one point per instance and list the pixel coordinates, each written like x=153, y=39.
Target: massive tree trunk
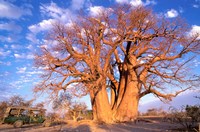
x=101, y=106
x=93, y=104
x=128, y=107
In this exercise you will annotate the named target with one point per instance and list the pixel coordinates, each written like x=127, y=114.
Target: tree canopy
x=131, y=51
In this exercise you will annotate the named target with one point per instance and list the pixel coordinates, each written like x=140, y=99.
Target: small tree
x=3, y=106
x=17, y=100
x=62, y=103
x=76, y=110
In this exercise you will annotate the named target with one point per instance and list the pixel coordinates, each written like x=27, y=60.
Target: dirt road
x=89, y=126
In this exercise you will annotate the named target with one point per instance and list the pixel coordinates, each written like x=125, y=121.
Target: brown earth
x=143, y=125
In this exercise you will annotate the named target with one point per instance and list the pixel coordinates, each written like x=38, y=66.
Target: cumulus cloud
x=4, y=53
x=77, y=4
x=35, y=72
x=6, y=39
x=18, y=56
x=10, y=27
x=8, y=63
x=5, y=88
x=10, y=38
x=171, y=13
x=136, y=3
x=10, y=11
x=42, y=26
x=195, y=30
x=21, y=70
x=97, y=10
x=16, y=46
x=32, y=37
x=53, y=11
x=122, y=1
x=23, y=56
x=196, y=4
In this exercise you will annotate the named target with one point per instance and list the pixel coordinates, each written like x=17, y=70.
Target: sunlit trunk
x=93, y=104
x=101, y=106
x=128, y=107
x=121, y=88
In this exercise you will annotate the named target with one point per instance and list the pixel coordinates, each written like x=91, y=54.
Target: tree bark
x=112, y=97
x=103, y=113
x=93, y=104
x=128, y=107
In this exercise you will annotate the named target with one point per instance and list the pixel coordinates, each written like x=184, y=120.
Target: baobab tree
x=131, y=51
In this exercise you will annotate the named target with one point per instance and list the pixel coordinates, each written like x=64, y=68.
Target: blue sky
x=24, y=23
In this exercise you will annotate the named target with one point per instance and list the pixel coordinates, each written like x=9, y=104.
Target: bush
x=193, y=112
x=187, y=116
x=155, y=112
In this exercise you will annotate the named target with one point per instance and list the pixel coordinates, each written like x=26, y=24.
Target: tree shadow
x=79, y=128
x=137, y=127
x=10, y=127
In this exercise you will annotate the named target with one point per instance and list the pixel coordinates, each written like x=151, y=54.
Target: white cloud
x=21, y=70
x=8, y=63
x=195, y=6
x=122, y=1
x=42, y=26
x=16, y=46
x=30, y=47
x=196, y=62
x=136, y=3
x=23, y=56
x=195, y=31
x=10, y=27
x=4, y=53
x=53, y=11
x=95, y=10
x=171, y=13
x=77, y=4
x=54, y=14
x=18, y=56
x=35, y=72
x=32, y=37
x=10, y=11
x=150, y=2
x=9, y=38
x=30, y=56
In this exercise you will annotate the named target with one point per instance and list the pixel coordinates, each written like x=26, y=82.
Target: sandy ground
x=89, y=126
